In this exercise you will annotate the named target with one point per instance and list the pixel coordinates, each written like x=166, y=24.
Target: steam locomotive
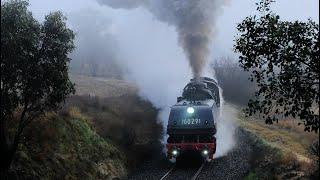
x=192, y=120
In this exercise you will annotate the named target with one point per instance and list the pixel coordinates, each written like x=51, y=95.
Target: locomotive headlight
x=174, y=152
x=190, y=110
x=205, y=152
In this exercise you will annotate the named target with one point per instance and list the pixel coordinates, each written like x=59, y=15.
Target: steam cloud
x=193, y=19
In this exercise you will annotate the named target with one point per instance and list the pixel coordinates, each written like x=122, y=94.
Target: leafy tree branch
x=34, y=70
x=283, y=59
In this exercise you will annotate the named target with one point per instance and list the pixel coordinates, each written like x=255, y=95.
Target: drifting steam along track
x=192, y=120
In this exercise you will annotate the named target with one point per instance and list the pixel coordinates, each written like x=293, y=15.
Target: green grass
x=251, y=176
x=119, y=120
x=59, y=147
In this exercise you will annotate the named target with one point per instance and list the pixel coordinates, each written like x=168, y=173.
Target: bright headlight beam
x=190, y=110
x=174, y=152
x=205, y=152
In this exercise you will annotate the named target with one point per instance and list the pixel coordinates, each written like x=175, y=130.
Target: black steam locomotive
x=192, y=120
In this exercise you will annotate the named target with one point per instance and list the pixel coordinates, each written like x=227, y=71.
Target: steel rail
x=198, y=172
x=167, y=174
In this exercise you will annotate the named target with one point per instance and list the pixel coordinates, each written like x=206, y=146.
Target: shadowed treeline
x=235, y=83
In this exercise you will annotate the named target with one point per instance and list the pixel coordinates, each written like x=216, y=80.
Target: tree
x=34, y=70
x=283, y=59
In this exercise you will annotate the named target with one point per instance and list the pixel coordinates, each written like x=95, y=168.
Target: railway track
x=167, y=173
x=173, y=169
x=234, y=165
x=194, y=177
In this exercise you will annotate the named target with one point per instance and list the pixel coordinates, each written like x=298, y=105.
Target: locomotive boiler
x=192, y=120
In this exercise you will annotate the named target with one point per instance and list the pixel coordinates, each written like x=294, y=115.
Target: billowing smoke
x=193, y=20
x=148, y=52
x=160, y=71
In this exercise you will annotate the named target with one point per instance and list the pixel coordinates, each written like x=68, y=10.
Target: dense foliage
x=283, y=59
x=34, y=69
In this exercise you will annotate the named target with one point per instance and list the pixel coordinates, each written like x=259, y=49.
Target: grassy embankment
x=66, y=146
x=281, y=150
x=101, y=133
x=119, y=115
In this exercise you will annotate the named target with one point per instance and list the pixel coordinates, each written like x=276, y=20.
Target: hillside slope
x=96, y=135
x=282, y=150
x=119, y=115
x=65, y=146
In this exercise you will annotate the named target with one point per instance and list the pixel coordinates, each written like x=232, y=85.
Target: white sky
x=233, y=13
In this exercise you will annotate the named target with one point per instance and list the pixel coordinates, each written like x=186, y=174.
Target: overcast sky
x=149, y=48
x=234, y=12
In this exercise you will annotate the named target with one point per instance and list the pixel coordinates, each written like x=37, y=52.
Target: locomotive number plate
x=190, y=121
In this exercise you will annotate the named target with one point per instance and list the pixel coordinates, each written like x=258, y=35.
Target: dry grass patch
x=286, y=135
x=102, y=87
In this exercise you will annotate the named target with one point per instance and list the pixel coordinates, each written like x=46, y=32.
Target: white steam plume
x=193, y=20
x=161, y=78
x=225, y=128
